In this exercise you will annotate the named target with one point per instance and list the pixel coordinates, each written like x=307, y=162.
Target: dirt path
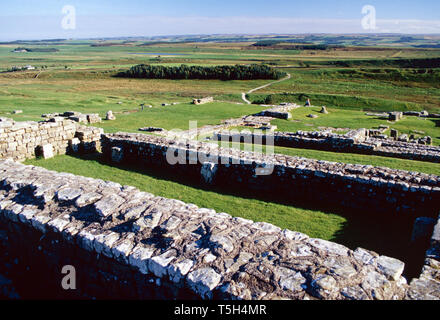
x=243, y=94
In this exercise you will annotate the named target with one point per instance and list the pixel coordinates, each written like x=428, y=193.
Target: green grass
x=178, y=116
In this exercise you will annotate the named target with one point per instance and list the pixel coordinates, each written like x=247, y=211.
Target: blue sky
x=26, y=19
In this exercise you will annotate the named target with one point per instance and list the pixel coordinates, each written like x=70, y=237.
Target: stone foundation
x=355, y=141
x=26, y=140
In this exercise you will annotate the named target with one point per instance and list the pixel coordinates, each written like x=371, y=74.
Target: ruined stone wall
x=359, y=187
x=22, y=140
x=203, y=100
x=280, y=111
x=125, y=243
x=355, y=141
x=19, y=140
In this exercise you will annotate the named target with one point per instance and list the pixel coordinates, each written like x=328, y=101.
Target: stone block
x=46, y=151
x=203, y=281
x=391, y=267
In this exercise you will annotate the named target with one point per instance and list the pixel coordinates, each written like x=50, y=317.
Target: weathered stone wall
x=359, y=187
x=355, y=141
x=281, y=111
x=130, y=244
x=21, y=140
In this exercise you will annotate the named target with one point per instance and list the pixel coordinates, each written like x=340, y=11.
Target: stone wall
x=355, y=141
x=22, y=140
x=125, y=243
x=340, y=185
x=281, y=111
x=203, y=100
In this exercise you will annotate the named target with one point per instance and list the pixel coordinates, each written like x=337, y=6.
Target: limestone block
x=104, y=243
x=26, y=215
x=39, y=222
x=290, y=279
x=365, y=256
x=203, y=281
x=171, y=223
x=139, y=257
x=68, y=194
x=13, y=211
x=122, y=250
x=86, y=238
x=222, y=242
x=87, y=198
x=108, y=205
x=329, y=247
x=158, y=265
x=46, y=151
x=58, y=224
x=324, y=286
x=179, y=270
x=110, y=116
x=391, y=267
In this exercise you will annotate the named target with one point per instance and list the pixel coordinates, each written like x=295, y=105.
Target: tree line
x=237, y=72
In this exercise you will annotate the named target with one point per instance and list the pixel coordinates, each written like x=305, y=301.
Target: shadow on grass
x=386, y=234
